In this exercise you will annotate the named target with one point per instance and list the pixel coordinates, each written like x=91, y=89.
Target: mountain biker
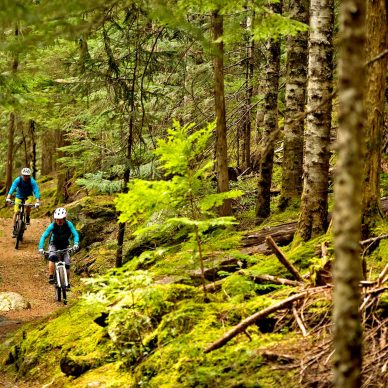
x=60, y=232
x=24, y=185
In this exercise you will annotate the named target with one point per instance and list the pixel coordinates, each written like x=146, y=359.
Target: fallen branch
x=299, y=321
x=279, y=254
x=215, y=286
x=376, y=291
x=275, y=280
x=380, y=279
x=253, y=318
x=372, y=240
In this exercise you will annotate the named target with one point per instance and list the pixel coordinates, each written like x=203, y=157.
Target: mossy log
x=282, y=235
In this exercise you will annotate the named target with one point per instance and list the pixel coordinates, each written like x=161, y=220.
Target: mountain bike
x=61, y=281
x=20, y=222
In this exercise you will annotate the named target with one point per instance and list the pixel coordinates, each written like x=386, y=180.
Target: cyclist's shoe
x=27, y=220
x=51, y=279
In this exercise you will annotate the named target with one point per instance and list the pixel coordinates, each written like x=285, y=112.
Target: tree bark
x=219, y=97
x=377, y=42
x=295, y=102
x=347, y=196
x=270, y=125
x=313, y=217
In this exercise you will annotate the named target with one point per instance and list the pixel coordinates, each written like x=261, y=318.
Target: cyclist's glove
x=41, y=251
x=8, y=200
x=75, y=248
x=37, y=205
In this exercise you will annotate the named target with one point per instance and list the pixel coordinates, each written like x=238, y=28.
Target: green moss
x=41, y=347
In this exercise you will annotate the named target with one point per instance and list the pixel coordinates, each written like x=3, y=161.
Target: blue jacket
x=60, y=235
x=24, y=189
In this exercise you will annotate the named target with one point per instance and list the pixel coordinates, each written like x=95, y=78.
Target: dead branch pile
x=309, y=311
x=315, y=367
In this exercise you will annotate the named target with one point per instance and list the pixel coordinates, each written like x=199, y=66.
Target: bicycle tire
x=62, y=279
x=58, y=293
x=19, y=232
x=64, y=294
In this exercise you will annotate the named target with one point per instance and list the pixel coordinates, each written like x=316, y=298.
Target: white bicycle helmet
x=26, y=171
x=60, y=213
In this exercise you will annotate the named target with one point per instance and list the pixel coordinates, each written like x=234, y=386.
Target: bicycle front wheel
x=58, y=293
x=62, y=279
x=19, y=229
x=64, y=295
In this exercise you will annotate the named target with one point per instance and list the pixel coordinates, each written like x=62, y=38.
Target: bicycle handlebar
x=60, y=251
x=31, y=205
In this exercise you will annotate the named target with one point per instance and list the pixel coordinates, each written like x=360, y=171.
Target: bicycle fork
x=61, y=274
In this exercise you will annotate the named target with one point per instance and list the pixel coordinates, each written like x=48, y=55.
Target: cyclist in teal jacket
x=24, y=185
x=60, y=232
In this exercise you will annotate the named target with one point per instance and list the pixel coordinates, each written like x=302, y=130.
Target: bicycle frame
x=61, y=281
x=20, y=221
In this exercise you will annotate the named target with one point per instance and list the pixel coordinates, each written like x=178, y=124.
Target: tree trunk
x=313, y=217
x=247, y=120
x=294, y=109
x=347, y=196
x=63, y=174
x=48, y=151
x=270, y=125
x=26, y=143
x=127, y=171
x=9, y=164
x=11, y=130
x=376, y=85
x=33, y=148
x=219, y=97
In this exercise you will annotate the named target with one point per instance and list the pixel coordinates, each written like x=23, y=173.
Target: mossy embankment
x=148, y=323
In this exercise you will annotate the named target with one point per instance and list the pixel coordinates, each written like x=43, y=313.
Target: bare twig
x=372, y=240
x=380, y=279
x=299, y=321
x=376, y=291
x=377, y=57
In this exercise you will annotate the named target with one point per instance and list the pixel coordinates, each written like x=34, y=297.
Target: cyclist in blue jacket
x=24, y=185
x=60, y=232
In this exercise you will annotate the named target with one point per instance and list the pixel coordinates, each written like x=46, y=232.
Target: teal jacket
x=59, y=235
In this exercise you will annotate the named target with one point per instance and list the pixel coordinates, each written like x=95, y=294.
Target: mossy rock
x=74, y=366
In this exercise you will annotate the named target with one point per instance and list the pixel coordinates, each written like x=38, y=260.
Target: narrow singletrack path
x=24, y=271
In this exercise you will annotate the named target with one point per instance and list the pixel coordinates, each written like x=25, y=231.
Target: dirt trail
x=24, y=271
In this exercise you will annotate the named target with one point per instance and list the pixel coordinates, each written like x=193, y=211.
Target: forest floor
x=23, y=271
